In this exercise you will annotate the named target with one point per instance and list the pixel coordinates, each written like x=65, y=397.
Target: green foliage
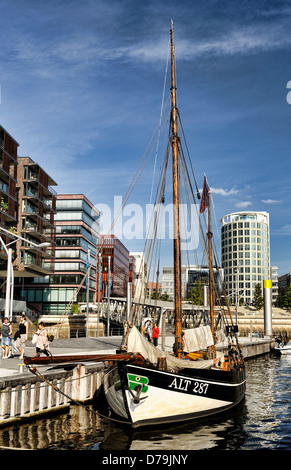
x=258, y=300
x=155, y=296
x=13, y=230
x=75, y=308
x=196, y=296
x=286, y=298
x=165, y=296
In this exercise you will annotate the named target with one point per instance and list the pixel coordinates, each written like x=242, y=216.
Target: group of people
x=21, y=336
x=152, y=333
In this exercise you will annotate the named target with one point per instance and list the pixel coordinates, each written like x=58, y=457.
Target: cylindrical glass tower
x=245, y=253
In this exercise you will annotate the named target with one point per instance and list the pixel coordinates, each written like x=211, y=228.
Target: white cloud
x=224, y=192
x=285, y=230
x=271, y=201
x=246, y=40
x=243, y=204
x=83, y=50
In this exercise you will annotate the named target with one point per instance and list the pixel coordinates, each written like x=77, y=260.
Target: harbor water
x=262, y=421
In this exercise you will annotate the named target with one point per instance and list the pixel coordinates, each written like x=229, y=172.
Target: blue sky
x=81, y=90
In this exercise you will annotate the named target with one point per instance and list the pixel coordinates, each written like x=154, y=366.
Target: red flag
x=205, y=197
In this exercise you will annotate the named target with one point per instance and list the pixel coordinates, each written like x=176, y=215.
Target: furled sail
x=199, y=338
x=136, y=343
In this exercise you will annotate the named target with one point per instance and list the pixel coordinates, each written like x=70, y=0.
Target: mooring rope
x=36, y=372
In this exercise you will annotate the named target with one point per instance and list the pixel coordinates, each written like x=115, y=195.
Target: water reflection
x=267, y=421
x=260, y=421
x=81, y=429
x=68, y=431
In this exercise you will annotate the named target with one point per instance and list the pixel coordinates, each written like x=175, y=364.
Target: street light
x=237, y=293
x=10, y=277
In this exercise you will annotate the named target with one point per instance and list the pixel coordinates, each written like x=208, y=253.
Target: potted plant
x=4, y=205
x=13, y=230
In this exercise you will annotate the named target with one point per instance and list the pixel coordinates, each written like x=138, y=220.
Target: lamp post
x=108, y=297
x=236, y=295
x=10, y=277
x=87, y=293
x=99, y=279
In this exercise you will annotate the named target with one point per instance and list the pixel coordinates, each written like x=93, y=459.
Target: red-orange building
x=132, y=273
x=119, y=266
x=154, y=288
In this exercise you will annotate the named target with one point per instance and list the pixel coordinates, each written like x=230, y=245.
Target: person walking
x=42, y=343
x=156, y=333
x=150, y=332
x=6, y=337
x=23, y=331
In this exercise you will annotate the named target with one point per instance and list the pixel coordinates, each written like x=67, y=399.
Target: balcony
x=33, y=266
x=9, y=212
x=30, y=175
x=29, y=192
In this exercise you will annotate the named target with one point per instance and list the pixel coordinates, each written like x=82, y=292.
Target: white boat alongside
x=283, y=348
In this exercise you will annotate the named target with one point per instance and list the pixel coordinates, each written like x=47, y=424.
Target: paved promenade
x=12, y=366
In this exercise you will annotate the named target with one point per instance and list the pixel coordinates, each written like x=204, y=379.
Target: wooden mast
x=177, y=245
x=211, y=349
x=211, y=274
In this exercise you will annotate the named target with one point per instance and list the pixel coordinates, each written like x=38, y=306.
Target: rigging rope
x=132, y=185
x=162, y=107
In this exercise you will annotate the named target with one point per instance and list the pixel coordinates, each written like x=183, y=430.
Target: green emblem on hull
x=135, y=380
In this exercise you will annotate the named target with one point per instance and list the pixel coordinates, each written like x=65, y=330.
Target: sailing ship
x=156, y=388
x=143, y=384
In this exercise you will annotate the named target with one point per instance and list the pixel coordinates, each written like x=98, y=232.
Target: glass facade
x=245, y=252
x=77, y=229
x=119, y=265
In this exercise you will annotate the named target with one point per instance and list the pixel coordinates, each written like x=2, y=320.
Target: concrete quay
x=24, y=395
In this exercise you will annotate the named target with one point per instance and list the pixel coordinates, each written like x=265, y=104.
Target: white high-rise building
x=245, y=252
x=140, y=276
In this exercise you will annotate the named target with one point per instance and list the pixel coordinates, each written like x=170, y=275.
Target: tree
x=196, y=296
x=258, y=300
x=286, y=300
x=280, y=300
x=155, y=296
x=165, y=296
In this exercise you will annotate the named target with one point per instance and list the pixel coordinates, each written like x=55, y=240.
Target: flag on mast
x=205, y=196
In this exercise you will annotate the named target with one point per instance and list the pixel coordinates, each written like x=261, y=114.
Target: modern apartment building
x=245, y=252
x=168, y=281
x=8, y=202
x=154, y=289
x=200, y=274
x=190, y=276
x=111, y=246
x=8, y=178
x=76, y=225
x=284, y=282
x=77, y=230
x=275, y=287
x=36, y=212
x=35, y=223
